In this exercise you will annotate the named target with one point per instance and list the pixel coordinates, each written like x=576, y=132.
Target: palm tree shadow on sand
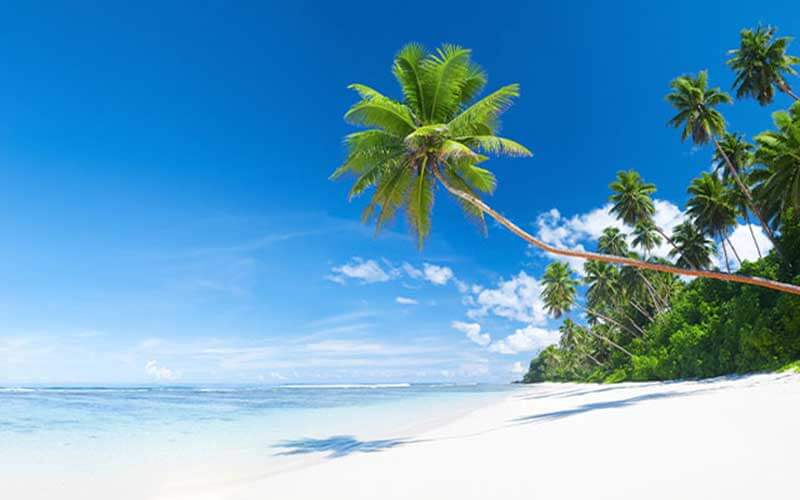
x=338, y=446
x=607, y=405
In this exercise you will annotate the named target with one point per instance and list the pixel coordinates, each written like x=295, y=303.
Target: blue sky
x=166, y=209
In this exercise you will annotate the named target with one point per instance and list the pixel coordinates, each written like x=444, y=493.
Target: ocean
x=140, y=442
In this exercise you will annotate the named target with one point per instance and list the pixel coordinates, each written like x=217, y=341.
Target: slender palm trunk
x=612, y=259
x=605, y=339
x=609, y=319
x=641, y=311
x=672, y=243
x=598, y=363
x=725, y=253
x=787, y=90
x=735, y=253
x=748, y=196
x=752, y=233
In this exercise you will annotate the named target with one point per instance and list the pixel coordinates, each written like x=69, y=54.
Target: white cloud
x=158, y=372
x=526, y=339
x=518, y=369
x=518, y=298
x=371, y=271
x=742, y=241
x=405, y=301
x=438, y=275
x=365, y=271
x=473, y=332
x=581, y=229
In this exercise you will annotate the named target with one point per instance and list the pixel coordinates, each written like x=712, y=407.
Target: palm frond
x=496, y=145
x=420, y=203
x=480, y=117
x=444, y=74
x=407, y=71
x=377, y=110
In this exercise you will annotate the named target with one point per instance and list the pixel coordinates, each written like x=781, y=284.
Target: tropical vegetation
x=627, y=314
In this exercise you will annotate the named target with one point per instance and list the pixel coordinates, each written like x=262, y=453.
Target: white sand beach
x=726, y=438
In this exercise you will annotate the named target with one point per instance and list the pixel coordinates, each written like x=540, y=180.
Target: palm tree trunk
x=598, y=363
x=735, y=253
x=752, y=233
x=607, y=340
x=748, y=196
x=725, y=253
x=612, y=259
x=787, y=90
x=672, y=243
x=609, y=319
x=641, y=311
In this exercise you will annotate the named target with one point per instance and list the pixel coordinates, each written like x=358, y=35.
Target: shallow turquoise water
x=139, y=440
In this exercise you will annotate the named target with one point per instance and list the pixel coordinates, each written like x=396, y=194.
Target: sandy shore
x=725, y=438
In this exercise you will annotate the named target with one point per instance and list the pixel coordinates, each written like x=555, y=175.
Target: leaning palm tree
x=559, y=296
x=761, y=64
x=695, y=103
x=438, y=132
x=778, y=156
x=711, y=208
x=692, y=246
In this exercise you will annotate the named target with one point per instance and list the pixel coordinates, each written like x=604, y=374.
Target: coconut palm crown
x=761, y=64
x=695, y=104
x=438, y=131
x=778, y=174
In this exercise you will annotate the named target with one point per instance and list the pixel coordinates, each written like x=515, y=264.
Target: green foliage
x=435, y=133
x=777, y=177
x=709, y=328
x=761, y=63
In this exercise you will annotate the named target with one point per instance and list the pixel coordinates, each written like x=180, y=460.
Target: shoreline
x=728, y=437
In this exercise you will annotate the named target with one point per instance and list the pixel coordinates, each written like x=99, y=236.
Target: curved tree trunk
x=748, y=197
x=613, y=259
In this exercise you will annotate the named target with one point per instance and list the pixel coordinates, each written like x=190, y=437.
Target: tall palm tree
x=778, y=174
x=692, y=246
x=612, y=241
x=632, y=201
x=739, y=202
x=740, y=154
x=738, y=151
x=436, y=133
x=695, y=103
x=559, y=296
x=646, y=236
x=761, y=64
x=711, y=208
